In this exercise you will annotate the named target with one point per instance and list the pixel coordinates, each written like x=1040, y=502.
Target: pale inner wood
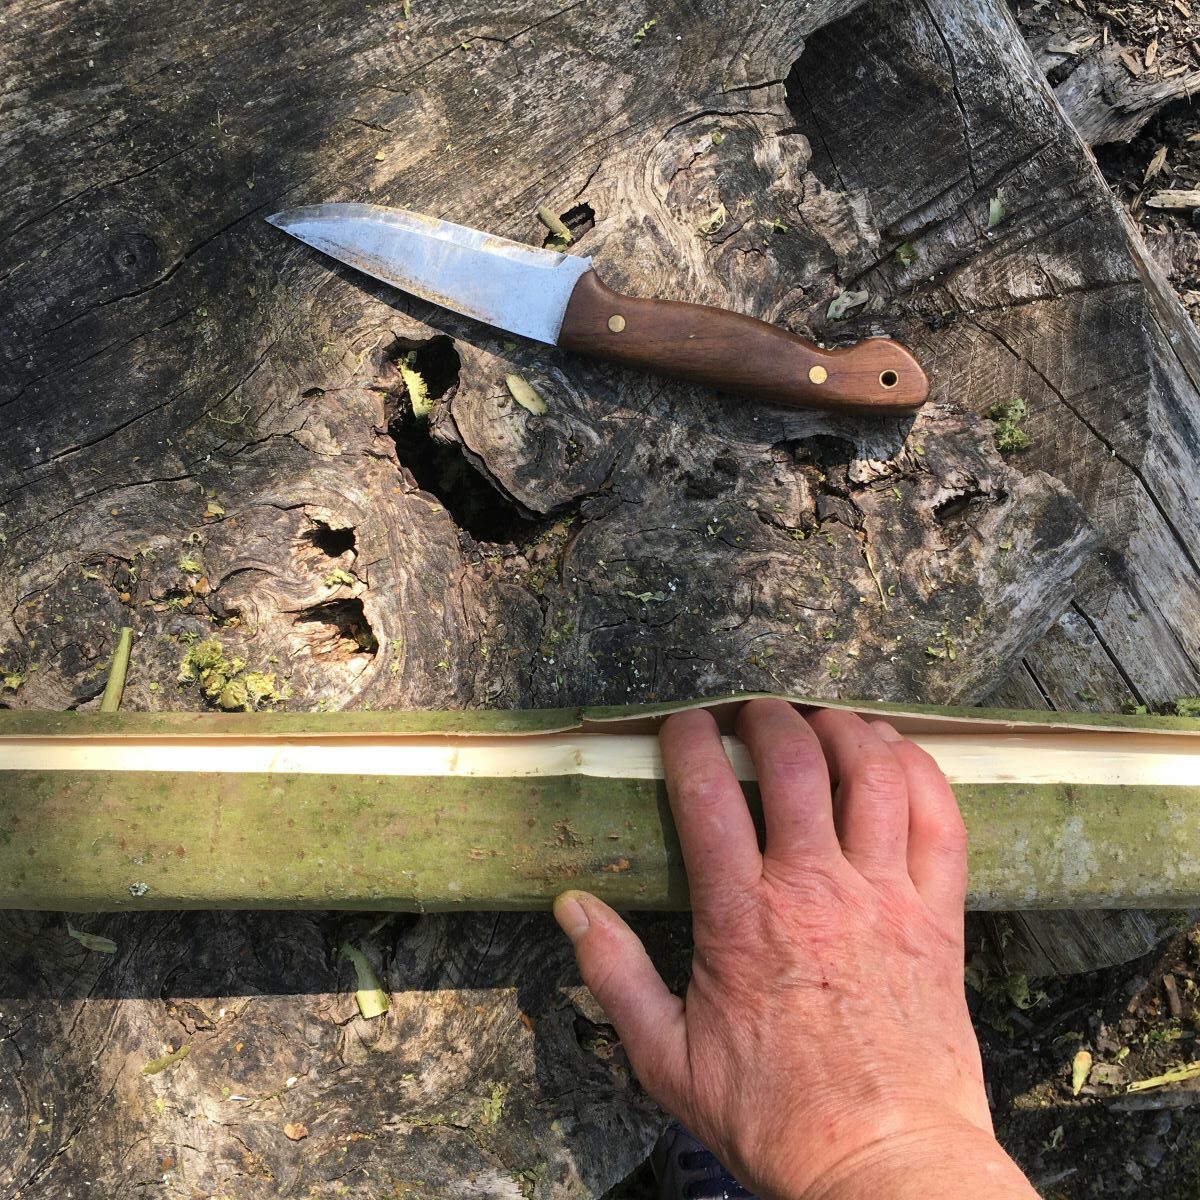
x=1086, y=758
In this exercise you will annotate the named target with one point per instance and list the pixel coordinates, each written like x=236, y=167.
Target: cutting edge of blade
x=529, y=311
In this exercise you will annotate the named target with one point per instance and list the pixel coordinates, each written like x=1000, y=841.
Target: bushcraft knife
x=557, y=298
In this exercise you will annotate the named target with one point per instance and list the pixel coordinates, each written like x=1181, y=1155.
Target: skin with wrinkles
x=823, y=1048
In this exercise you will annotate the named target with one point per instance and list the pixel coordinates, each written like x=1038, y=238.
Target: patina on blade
x=518, y=288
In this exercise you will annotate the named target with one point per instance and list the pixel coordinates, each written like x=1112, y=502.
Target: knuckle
x=835, y=719
x=795, y=760
x=810, y=889
x=919, y=756
x=878, y=778
x=701, y=781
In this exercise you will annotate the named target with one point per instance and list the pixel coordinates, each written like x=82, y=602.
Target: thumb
x=614, y=964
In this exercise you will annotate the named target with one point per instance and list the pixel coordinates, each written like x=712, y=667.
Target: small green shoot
x=562, y=235
x=372, y=1000
x=157, y=1065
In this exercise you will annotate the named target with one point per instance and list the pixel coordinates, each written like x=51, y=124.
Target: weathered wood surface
x=492, y=1075
x=645, y=536
x=1100, y=76
x=166, y=354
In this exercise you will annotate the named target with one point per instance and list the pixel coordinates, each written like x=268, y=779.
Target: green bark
x=29, y=723
x=103, y=840
x=110, y=702
x=79, y=841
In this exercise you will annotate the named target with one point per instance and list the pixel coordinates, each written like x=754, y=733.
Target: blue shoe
x=685, y=1170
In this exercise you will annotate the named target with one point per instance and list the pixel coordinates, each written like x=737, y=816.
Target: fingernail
x=571, y=916
x=886, y=732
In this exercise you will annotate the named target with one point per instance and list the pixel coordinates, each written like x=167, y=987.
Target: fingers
x=716, y=832
x=793, y=780
x=616, y=968
x=871, y=802
x=937, y=837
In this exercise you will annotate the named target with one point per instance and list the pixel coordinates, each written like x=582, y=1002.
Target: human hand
x=824, y=1047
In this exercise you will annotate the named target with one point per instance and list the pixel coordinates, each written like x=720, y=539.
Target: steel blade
x=514, y=287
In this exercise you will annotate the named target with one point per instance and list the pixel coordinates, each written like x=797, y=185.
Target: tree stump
x=209, y=436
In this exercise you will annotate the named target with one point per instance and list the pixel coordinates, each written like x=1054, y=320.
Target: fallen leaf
x=525, y=395
x=1176, y=198
x=296, y=1131
x=91, y=941
x=841, y=305
x=1081, y=1066
x=646, y=597
x=1107, y=1074
x=1156, y=164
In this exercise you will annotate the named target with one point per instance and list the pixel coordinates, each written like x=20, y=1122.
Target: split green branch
x=415, y=811
x=114, y=689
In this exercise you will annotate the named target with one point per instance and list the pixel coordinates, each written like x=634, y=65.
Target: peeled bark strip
x=159, y=812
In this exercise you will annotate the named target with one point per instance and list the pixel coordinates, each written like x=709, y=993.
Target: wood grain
x=740, y=354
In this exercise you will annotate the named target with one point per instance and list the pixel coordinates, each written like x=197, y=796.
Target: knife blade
x=558, y=299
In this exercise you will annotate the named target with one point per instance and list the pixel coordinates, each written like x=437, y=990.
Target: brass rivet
x=616, y=322
x=817, y=374
x=888, y=379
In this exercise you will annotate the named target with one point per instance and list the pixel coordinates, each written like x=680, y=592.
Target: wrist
x=950, y=1159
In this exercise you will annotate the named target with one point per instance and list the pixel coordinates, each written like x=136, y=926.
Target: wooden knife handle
x=740, y=354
